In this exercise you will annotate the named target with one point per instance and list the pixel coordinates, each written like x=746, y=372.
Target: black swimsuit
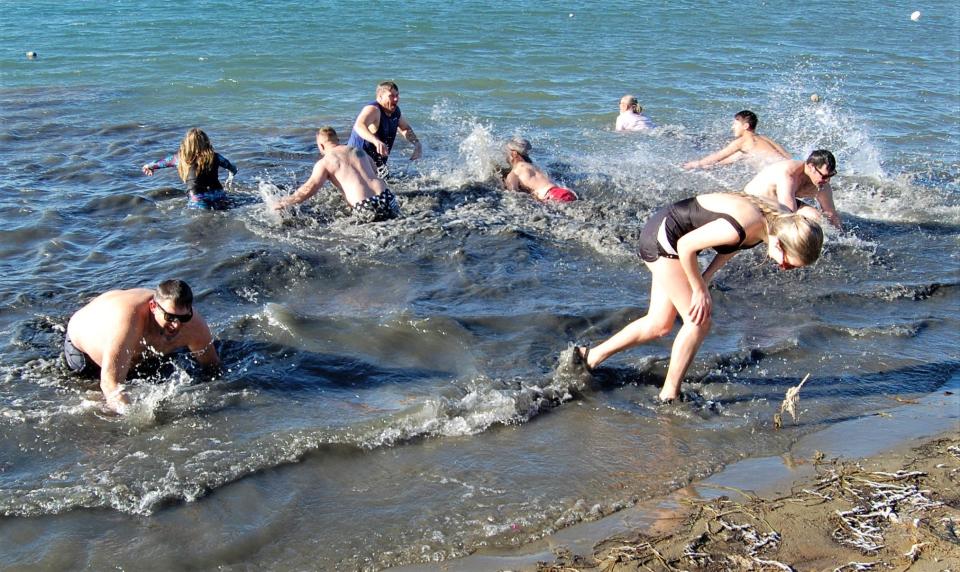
x=663, y=231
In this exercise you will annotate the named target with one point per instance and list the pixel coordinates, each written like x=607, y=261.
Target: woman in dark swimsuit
x=199, y=167
x=669, y=246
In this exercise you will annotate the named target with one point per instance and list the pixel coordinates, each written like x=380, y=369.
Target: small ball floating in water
x=915, y=16
x=31, y=55
x=815, y=98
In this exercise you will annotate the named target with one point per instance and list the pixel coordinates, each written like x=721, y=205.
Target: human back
x=353, y=172
x=92, y=327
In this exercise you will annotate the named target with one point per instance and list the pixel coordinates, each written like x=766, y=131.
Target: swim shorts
x=375, y=209
x=214, y=200
x=79, y=362
x=560, y=194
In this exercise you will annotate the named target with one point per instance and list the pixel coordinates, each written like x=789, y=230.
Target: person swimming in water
x=631, y=116
x=748, y=144
x=525, y=176
x=199, y=167
x=352, y=171
x=669, y=245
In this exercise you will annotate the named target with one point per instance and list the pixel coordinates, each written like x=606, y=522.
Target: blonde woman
x=631, y=116
x=199, y=167
x=669, y=245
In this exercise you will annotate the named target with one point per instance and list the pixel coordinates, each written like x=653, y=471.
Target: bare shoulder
x=196, y=330
x=121, y=301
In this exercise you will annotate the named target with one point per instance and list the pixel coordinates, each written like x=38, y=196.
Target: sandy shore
x=896, y=511
x=880, y=492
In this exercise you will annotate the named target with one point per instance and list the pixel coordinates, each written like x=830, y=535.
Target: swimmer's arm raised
x=317, y=178
x=168, y=161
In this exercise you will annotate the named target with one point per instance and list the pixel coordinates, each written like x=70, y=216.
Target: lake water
x=396, y=393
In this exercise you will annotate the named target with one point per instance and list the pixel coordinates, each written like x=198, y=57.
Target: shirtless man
x=785, y=181
x=110, y=335
x=525, y=176
x=746, y=144
x=351, y=171
x=377, y=125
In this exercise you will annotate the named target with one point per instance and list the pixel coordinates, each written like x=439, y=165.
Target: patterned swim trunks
x=375, y=209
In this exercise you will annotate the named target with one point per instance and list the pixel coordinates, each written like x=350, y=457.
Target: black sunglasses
x=181, y=318
x=824, y=175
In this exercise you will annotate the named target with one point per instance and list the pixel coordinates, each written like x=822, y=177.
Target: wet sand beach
x=878, y=493
x=896, y=511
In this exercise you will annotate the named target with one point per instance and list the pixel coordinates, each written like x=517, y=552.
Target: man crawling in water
x=117, y=330
x=527, y=177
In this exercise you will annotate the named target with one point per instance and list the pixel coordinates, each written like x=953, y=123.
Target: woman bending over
x=669, y=244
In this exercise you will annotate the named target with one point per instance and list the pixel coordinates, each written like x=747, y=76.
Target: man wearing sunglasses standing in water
x=786, y=181
x=114, y=332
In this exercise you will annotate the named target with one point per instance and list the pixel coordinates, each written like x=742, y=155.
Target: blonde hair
x=633, y=103
x=195, y=151
x=798, y=235
x=328, y=133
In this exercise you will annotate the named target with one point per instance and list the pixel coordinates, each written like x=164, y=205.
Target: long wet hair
x=195, y=151
x=799, y=236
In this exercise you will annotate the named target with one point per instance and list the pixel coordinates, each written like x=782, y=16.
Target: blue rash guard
x=386, y=132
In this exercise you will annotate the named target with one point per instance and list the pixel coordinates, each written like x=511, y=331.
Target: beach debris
x=915, y=16
x=877, y=497
x=791, y=400
x=914, y=551
x=746, y=532
x=888, y=515
x=856, y=567
x=904, y=400
x=954, y=450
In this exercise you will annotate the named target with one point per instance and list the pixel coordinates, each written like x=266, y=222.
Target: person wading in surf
x=377, y=124
x=351, y=171
x=669, y=245
x=111, y=335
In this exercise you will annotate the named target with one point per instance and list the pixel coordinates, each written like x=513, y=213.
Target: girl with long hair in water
x=199, y=167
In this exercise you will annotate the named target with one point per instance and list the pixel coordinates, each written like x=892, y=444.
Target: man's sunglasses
x=824, y=175
x=181, y=318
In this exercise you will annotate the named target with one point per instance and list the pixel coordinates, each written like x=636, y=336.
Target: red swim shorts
x=560, y=194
